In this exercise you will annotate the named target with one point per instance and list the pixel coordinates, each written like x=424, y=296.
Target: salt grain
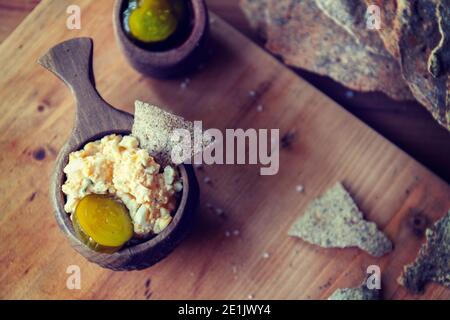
x=252, y=93
x=349, y=94
x=259, y=108
x=219, y=211
x=251, y=296
x=266, y=255
x=185, y=83
x=236, y=232
x=299, y=188
x=207, y=180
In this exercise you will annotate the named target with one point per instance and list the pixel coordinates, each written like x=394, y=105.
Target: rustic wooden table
x=244, y=252
x=406, y=124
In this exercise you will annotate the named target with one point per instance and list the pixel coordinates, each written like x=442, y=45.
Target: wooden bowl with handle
x=71, y=61
x=168, y=63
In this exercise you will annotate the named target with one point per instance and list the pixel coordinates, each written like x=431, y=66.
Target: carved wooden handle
x=71, y=61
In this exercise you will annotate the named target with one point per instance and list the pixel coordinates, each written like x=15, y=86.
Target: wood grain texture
x=12, y=13
x=71, y=61
x=327, y=144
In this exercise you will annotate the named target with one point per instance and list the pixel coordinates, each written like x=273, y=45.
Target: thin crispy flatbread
x=390, y=23
x=329, y=37
x=154, y=129
x=305, y=37
x=359, y=293
x=424, y=54
x=351, y=16
x=334, y=221
x=433, y=261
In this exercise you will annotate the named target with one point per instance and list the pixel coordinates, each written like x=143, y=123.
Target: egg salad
x=117, y=167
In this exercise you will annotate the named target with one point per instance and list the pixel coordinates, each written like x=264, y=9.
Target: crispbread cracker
x=334, y=221
x=307, y=38
x=351, y=16
x=433, y=260
x=330, y=37
x=390, y=23
x=423, y=46
x=154, y=127
x=359, y=293
x=439, y=60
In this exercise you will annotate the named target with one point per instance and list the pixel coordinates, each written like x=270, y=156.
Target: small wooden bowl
x=71, y=61
x=172, y=62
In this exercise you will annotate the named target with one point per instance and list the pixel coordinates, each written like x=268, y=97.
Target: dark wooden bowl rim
x=171, y=56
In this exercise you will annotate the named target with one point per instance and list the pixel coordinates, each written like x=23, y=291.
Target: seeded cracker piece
x=359, y=293
x=424, y=66
x=439, y=60
x=417, y=32
x=306, y=37
x=334, y=221
x=390, y=23
x=257, y=14
x=351, y=16
x=154, y=127
x=433, y=261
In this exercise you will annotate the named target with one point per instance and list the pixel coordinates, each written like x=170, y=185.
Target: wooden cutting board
x=327, y=144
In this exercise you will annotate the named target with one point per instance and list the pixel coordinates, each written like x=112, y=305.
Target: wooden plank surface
x=12, y=13
x=330, y=144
